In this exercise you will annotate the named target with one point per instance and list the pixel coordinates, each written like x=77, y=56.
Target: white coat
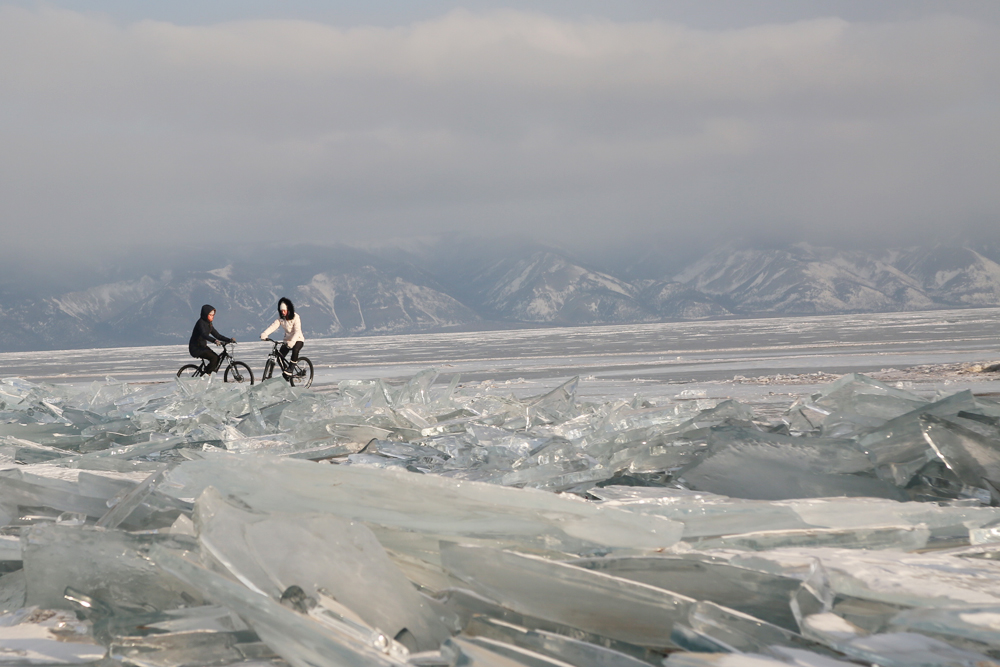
x=292, y=327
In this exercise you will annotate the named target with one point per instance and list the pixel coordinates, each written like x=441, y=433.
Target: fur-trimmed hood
x=291, y=308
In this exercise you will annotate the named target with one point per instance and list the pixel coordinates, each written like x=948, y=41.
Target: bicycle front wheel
x=268, y=370
x=189, y=371
x=303, y=380
x=238, y=372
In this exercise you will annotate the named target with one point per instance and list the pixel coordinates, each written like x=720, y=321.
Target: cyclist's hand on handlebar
x=263, y=337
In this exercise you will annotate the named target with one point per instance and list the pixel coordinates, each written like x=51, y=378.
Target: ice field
x=787, y=491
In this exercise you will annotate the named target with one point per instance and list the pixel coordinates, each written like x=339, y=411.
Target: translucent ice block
x=979, y=623
x=971, y=456
x=750, y=464
x=566, y=649
x=589, y=600
x=110, y=564
x=423, y=503
x=759, y=594
x=898, y=449
x=301, y=640
x=271, y=552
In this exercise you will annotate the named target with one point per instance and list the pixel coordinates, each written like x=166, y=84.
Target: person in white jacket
x=288, y=320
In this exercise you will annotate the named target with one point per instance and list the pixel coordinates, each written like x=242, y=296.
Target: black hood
x=291, y=308
x=205, y=310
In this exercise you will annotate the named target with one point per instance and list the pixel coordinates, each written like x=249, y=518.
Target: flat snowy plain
x=769, y=360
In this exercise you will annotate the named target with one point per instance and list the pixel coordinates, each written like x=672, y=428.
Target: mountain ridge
x=467, y=283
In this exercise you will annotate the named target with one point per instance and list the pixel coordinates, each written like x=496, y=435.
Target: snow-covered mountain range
x=442, y=284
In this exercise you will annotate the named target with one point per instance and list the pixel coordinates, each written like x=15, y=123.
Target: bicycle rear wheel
x=303, y=380
x=189, y=371
x=238, y=372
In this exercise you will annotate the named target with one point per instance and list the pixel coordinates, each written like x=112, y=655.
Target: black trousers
x=204, y=353
x=283, y=350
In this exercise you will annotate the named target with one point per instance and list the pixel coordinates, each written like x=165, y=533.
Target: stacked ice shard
x=430, y=523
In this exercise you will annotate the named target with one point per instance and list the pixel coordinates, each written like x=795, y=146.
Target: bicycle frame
x=282, y=363
x=226, y=359
x=297, y=373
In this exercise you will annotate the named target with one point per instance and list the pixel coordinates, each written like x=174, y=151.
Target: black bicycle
x=236, y=371
x=299, y=374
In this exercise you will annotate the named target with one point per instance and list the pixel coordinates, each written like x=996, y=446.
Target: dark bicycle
x=236, y=371
x=302, y=376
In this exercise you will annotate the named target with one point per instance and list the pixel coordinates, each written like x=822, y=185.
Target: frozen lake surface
x=618, y=359
x=713, y=493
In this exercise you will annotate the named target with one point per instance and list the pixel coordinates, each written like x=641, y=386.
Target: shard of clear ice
x=767, y=466
x=974, y=458
x=417, y=464
x=271, y=552
x=301, y=639
x=110, y=564
x=31, y=635
x=551, y=645
x=628, y=611
x=423, y=503
x=765, y=596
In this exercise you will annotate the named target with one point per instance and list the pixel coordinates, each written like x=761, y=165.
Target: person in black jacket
x=204, y=332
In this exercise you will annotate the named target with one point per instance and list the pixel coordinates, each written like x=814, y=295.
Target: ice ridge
x=435, y=523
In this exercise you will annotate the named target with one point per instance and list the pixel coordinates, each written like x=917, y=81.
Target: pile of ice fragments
x=200, y=523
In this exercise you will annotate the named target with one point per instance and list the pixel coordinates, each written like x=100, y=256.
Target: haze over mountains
x=448, y=283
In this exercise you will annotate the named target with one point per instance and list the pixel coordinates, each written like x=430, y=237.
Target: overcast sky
x=126, y=123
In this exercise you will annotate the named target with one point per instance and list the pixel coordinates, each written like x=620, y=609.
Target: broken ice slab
x=703, y=514
x=423, y=503
x=188, y=648
x=271, y=552
x=852, y=404
x=976, y=623
x=470, y=607
x=904, y=538
x=549, y=644
x=944, y=521
x=708, y=515
x=487, y=651
x=975, y=459
x=155, y=445
x=90, y=496
x=765, y=596
x=665, y=453
x=898, y=448
x=779, y=657
x=129, y=502
x=744, y=463
x=303, y=641
x=712, y=624
x=986, y=534
x=10, y=548
x=206, y=618
x=109, y=564
x=64, y=436
x=907, y=649
x=12, y=591
x=420, y=456
x=562, y=593
x=25, y=489
x=34, y=635
x=929, y=579
x=556, y=467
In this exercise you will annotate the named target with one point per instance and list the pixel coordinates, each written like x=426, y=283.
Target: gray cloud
x=115, y=134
